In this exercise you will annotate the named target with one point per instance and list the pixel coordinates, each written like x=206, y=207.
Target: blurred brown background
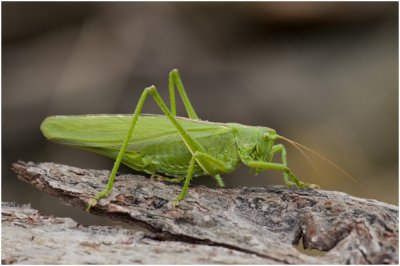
x=324, y=74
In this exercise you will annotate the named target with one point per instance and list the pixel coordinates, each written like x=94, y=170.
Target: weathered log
x=31, y=238
x=262, y=224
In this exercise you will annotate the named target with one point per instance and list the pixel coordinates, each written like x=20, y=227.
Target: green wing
x=155, y=145
x=109, y=131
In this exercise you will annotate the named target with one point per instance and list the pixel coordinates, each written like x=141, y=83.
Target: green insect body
x=171, y=145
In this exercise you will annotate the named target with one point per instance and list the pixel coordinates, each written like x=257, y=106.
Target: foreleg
x=289, y=177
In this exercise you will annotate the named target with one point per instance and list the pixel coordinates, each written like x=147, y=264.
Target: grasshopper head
x=254, y=143
x=265, y=143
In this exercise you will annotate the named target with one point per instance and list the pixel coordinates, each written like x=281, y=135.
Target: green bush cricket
x=178, y=147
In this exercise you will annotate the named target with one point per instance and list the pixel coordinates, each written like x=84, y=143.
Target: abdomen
x=172, y=157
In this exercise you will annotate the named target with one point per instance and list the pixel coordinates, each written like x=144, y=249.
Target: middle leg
x=205, y=159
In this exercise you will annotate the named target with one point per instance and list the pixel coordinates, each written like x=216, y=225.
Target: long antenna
x=304, y=154
x=321, y=157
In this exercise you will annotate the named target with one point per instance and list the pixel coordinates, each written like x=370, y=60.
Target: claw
x=313, y=186
x=92, y=202
x=175, y=203
x=307, y=185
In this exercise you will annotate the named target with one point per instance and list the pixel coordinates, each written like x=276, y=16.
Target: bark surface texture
x=240, y=225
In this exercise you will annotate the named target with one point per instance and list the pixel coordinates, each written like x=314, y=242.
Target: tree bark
x=240, y=225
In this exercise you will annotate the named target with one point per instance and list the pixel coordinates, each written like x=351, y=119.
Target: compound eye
x=269, y=135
